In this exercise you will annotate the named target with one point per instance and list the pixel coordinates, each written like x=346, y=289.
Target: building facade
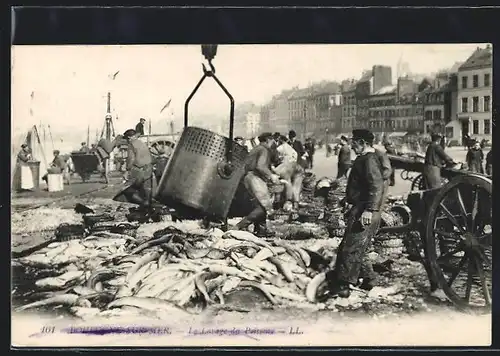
x=474, y=95
x=349, y=106
x=396, y=108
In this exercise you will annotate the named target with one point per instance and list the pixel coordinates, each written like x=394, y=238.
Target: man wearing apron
x=140, y=168
x=258, y=174
x=25, y=174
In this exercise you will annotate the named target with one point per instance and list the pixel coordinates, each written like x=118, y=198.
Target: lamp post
x=305, y=120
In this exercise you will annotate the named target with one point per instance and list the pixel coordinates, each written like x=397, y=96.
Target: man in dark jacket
x=139, y=128
x=344, y=158
x=258, y=174
x=489, y=163
x=310, y=150
x=435, y=157
x=475, y=158
x=365, y=193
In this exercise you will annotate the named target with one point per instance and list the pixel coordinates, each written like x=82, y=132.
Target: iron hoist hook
x=209, y=52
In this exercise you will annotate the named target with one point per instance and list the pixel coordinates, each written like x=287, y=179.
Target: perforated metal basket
x=194, y=176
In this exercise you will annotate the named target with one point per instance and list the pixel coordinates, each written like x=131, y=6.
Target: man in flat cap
x=140, y=168
x=139, y=128
x=475, y=157
x=257, y=175
x=84, y=148
x=435, y=158
x=58, y=165
x=365, y=195
x=344, y=157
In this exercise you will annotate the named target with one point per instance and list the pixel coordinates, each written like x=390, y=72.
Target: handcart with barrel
x=451, y=230
x=85, y=164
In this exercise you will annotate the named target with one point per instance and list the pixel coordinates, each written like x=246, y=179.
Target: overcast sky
x=69, y=83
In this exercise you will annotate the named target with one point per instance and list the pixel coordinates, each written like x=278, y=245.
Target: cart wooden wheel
x=459, y=241
x=417, y=183
x=156, y=147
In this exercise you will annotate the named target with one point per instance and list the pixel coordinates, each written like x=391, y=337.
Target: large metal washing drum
x=192, y=177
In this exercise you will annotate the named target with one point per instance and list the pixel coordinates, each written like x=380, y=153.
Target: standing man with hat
x=258, y=174
x=140, y=168
x=435, y=157
x=344, y=158
x=365, y=195
x=475, y=157
x=139, y=128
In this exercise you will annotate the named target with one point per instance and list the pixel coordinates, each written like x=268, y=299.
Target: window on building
x=428, y=115
x=465, y=105
x=487, y=80
x=428, y=128
x=475, y=104
x=487, y=103
x=464, y=82
x=475, y=127
x=487, y=127
x=475, y=81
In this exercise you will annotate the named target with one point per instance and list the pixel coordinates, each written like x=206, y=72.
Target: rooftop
x=482, y=57
x=367, y=75
x=389, y=89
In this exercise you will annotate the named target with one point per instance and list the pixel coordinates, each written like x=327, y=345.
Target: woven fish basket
x=68, y=232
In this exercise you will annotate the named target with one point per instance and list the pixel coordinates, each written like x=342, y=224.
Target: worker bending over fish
x=288, y=170
x=140, y=170
x=365, y=196
x=257, y=175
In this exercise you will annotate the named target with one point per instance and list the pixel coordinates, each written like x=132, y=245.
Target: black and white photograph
x=251, y=195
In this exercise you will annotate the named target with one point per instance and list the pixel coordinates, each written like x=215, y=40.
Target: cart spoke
x=485, y=239
x=448, y=235
x=470, y=270
x=484, y=285
x=457, y=271
x=475, y=209
x=451, y=218
x=463, y=211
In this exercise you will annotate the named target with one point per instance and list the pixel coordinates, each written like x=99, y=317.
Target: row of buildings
x=456, y=102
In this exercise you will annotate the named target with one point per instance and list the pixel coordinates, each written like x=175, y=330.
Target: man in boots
x=258, y=174
x=364, y=193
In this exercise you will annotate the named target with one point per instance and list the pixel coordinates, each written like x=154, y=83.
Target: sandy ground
x=439, y=327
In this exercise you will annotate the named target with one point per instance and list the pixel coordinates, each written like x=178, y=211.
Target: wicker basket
x=67, y=232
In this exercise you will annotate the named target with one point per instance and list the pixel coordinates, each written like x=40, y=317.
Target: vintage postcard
x=251, y=195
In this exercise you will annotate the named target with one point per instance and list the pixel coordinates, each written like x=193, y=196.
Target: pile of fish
x=41, y=219
x=97, y=275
